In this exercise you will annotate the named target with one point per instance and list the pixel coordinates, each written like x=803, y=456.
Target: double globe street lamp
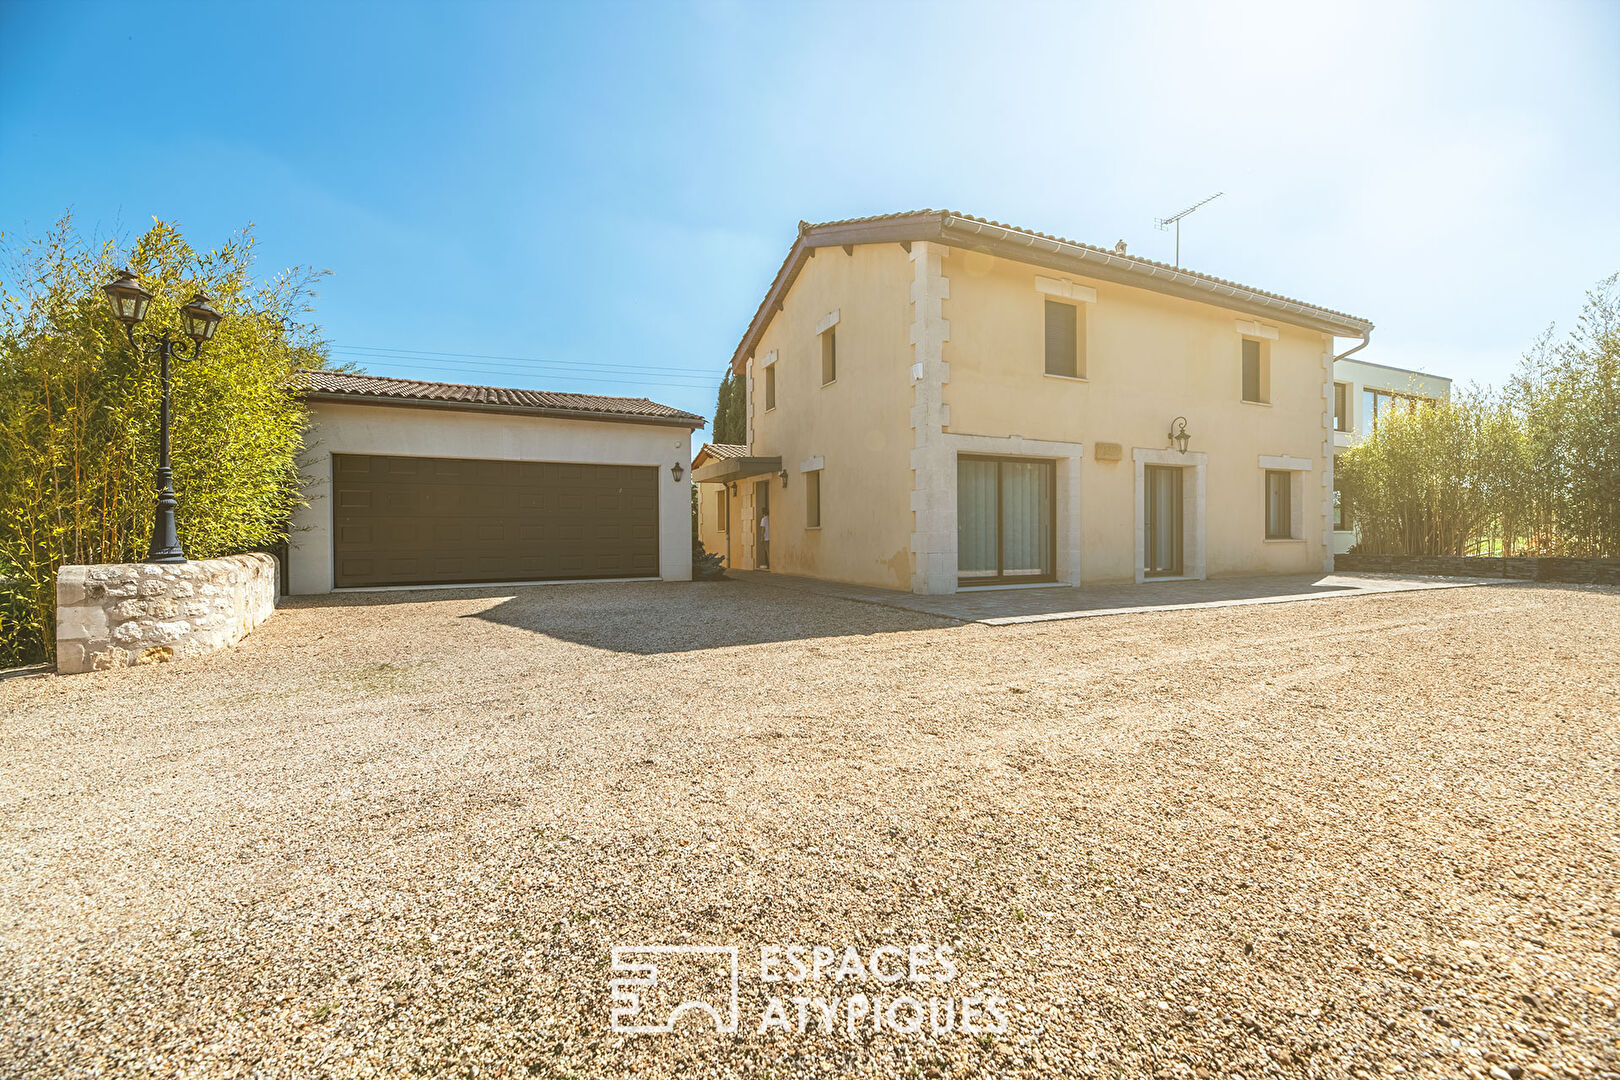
x=199, y=321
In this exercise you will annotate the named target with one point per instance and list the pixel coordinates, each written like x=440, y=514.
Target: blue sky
x=602, y=192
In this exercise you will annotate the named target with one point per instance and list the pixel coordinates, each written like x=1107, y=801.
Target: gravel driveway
x=401, y=834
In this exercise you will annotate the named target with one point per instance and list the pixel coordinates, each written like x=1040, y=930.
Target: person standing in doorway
x=765, y=540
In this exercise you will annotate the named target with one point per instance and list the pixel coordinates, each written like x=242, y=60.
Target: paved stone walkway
x=1003, y=607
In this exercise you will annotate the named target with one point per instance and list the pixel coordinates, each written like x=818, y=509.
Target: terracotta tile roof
x=335, y=385
x=724, y=450
x=952, y=227
x=1152, y=263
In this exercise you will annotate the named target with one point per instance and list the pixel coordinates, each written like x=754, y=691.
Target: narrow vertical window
x=1279, y=509
x=829, y=355
x=1254, y=372
x=722, y=509
x=812, y=499
x=1063, y=340
x=1341, y=406
x=770, y=387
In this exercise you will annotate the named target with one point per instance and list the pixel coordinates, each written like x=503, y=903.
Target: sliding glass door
x=1161, y=538
x=1005, y=523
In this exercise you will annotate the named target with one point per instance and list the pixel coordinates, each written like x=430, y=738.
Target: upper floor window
x=1064, y=355
x=1256, y=372
x=1341, y=406
x=770, y=387
x=829, y=355
x=1377, y=404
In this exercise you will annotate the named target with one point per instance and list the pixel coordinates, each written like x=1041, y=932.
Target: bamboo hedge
x=79, y=411
x=1532, y=468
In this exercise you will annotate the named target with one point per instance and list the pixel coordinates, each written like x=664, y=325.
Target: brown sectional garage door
x=418, y=521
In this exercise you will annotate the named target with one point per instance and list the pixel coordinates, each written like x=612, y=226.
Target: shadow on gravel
x=653, y=617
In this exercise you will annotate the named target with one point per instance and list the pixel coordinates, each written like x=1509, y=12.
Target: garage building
x=423, y=483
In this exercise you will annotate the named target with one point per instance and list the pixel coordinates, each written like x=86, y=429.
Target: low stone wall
x=147, y=613
x=1580, y=571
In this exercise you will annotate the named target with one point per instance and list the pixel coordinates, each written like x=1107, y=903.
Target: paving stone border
x=122, y=614
x=1581, y=571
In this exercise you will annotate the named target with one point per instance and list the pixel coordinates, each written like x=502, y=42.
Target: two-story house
x=936, y=402
x=1363, y=392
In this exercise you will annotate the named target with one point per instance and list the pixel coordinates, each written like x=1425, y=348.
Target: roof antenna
x=1175, y=219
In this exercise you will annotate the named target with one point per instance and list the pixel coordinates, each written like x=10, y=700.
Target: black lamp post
x=199, y=321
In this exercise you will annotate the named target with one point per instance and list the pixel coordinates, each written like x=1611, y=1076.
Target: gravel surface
x=401, y=834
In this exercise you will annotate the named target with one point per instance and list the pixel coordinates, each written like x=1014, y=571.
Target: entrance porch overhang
x=727, y=470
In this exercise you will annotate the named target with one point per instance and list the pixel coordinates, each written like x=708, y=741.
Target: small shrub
x=707, y=566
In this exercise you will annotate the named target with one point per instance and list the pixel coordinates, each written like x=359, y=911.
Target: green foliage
x=730, y=412
x=79, y=412
x=1533, y=469
x=706, y=566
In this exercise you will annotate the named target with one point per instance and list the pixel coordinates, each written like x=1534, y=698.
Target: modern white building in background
x=1362, y=392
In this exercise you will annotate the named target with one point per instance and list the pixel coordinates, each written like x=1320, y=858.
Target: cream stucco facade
x=940, y=358
x=343, y=428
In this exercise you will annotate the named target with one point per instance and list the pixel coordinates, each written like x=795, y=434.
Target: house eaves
x=353, y=388
x=1035, y=249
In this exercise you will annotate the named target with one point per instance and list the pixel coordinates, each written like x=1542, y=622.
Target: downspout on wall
x=1328, y=477
x=1365, y=337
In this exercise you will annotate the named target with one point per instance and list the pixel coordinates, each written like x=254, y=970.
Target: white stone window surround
x=767, y=361
x=1074, y=292
x=1297, y=468
x=1193, y=505
x=940, y=493
x=1249, y=328
x=1064, y=289
x=828, y=321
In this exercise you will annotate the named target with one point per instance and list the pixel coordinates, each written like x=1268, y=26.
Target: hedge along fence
x=1579, y=571
x=79, y=413
x=1531, y=469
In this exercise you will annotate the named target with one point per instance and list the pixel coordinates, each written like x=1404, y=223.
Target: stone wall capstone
x=1579, y=571
x=123, y=614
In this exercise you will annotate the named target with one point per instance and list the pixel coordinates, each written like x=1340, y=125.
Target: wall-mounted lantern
x=1178, y=433
x=675, y=471
x=783, y=476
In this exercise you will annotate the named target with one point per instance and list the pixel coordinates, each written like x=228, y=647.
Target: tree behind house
x=1532, y=469
x=730, y=412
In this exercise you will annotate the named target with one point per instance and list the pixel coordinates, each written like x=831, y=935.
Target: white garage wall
x=432, y=432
